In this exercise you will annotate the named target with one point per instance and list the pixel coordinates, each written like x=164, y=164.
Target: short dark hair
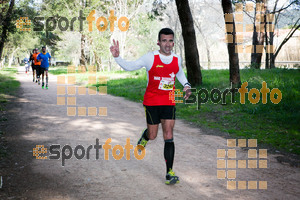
x=33, y=50
x=165, y=31
x=43, y=47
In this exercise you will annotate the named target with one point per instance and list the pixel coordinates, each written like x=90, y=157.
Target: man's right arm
x=144, y=61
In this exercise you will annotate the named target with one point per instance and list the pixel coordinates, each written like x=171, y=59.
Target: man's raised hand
x=188, y=92
x=114, y=49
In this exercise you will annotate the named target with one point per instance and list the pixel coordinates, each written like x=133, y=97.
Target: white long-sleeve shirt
x=147, y=62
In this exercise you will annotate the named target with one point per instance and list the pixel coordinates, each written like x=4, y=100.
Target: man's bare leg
x=33, y=74
x=152, y=131
x=167, y=126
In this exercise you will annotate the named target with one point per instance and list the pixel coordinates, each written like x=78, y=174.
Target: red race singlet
x=161, y=81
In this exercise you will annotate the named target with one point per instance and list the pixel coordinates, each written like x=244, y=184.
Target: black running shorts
x=42, y=70
x=38, y=70
x=33, y=67
x=155, y=113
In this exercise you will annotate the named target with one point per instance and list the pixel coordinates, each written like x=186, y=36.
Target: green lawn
x=276, y=125
x=8, y=83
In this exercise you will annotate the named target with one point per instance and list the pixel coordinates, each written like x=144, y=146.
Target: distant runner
x=26, y=62
x=162, y=67
x=34, y=65
x=37, y=65
x=43, y=58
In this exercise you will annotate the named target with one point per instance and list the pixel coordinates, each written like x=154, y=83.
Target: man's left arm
x=49, y=59
x=182, y=79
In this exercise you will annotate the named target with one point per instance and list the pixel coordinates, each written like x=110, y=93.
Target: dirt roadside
x=34, y=118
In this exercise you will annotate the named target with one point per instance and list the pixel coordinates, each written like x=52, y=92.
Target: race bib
x=166, y=84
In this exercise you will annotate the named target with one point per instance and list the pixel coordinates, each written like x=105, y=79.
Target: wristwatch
x=187, y=84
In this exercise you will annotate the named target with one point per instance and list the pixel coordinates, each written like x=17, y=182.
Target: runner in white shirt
x=162, y=67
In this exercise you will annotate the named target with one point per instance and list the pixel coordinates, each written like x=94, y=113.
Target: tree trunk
x=257, y=39
x=234, y=68
x=190, y=44
x=208, y=57
x=82, y=60
x=260, y=42
x=272, y=57
x=254, y=55
x=272, y=60
x=206, y=44
x=198, y=26
x=5, y=25
x=267, y=65
x=2, y=63
x=11, y=57
x=98, y=62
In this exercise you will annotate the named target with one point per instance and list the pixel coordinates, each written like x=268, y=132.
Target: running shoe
x=32, y=80
x=43, y=86
x=47, y=86
x=35, y=81
x=142, y=141
x=171, y=178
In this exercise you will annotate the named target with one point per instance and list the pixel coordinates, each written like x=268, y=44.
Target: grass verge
x=8, y=84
